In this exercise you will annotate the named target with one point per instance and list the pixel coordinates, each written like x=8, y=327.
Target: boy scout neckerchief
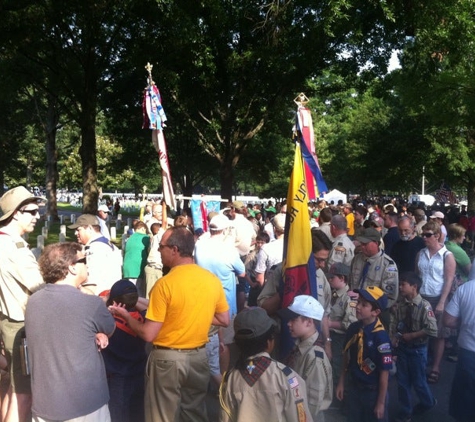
x=255, y=368
x=358, y=337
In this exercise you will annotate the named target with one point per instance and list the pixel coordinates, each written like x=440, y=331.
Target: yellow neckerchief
x=358, y=337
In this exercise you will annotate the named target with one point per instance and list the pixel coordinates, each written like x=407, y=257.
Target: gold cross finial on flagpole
x=301, y=100
x=149, y=68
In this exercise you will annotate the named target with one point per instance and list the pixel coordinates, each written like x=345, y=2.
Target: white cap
x=219, y=222
x=306, y=306
x=103, y=208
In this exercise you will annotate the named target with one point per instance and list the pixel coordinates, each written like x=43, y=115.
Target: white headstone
x=44, y=232
x=40, y=242
x=62, y=237
x=113, y=233
x=62, y=229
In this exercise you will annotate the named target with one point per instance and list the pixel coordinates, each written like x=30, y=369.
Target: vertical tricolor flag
x=313, y=176
x=298, y=264
x=154, y=118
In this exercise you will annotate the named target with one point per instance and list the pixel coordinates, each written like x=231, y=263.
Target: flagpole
x=154, y=118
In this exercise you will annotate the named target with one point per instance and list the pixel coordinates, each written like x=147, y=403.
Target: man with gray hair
x=343, y=249
x=405, y=251
x=218, y=255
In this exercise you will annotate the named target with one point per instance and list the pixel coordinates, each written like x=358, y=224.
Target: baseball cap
x=122, y=287
x=238, y=204
x=338, y=268
x=13, y=199
x=219, y=222
x=251, y=323
x=375, y=295
x=279, y=222
x=85, y=220
x=369, y=235
x=303, y=305
x=271, y=209
x=437, y=214
x=103, y=208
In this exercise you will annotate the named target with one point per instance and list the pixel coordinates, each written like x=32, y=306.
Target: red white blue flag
x=313, y=175
x=154, y=118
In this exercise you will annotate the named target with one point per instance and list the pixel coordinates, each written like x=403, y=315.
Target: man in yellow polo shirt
x=350, y=219
x=183, y=305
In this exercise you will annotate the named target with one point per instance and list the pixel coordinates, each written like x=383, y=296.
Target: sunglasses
x=31, y=212
x=427, y=234
x=81, y=261
x=161, y=246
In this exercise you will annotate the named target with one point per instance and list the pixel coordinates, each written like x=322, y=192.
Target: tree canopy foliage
x=73, y=76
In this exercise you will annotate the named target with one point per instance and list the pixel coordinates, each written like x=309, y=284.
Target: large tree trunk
x=226, y=176
x=52, y=120
x=89, y=161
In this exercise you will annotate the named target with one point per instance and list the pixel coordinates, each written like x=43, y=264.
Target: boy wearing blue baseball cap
x=367, y=359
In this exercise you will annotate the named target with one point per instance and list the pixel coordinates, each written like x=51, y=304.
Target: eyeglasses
x=320, y=260
x=81, y=261
x=161, y=246
x=31, y=212
x=427, y=235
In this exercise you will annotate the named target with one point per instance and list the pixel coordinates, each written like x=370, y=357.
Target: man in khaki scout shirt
x=343, y=250
x=372, y=267
x=19, y=278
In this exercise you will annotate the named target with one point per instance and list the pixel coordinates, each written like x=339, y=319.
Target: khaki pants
x=12, y=332
x=176, y=383
x=152, y=275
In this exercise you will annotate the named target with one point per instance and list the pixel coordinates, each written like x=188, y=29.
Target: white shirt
x=431, y=270
x=461, y=306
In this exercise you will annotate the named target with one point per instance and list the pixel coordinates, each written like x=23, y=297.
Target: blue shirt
x=377, y=354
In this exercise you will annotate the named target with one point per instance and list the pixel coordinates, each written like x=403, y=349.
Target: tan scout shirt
x=343, y=251
x=422, y=318
x=342, y=310
x=324, y=292
x=312, y=364
x=279, y=395
x=19, y=276
x=382, y=272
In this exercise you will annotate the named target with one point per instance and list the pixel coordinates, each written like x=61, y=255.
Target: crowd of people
x=93, y=333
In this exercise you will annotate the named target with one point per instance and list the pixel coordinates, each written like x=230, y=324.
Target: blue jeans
x=126, y=402
x=462, y=402
x=361, y=403
x=411, y=372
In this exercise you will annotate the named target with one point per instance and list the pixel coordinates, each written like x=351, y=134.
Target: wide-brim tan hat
x=14, y=198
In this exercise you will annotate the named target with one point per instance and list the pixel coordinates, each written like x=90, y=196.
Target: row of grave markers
x=40, y=240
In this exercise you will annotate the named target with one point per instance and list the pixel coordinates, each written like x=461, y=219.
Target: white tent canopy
x=335, y=195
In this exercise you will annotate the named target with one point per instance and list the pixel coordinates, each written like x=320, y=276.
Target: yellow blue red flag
x=298, y=264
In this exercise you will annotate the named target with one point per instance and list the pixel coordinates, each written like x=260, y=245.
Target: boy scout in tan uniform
x=307, y=358
x=343, y=249
x=260, y=388
x=342, y=314
x=372, y=267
